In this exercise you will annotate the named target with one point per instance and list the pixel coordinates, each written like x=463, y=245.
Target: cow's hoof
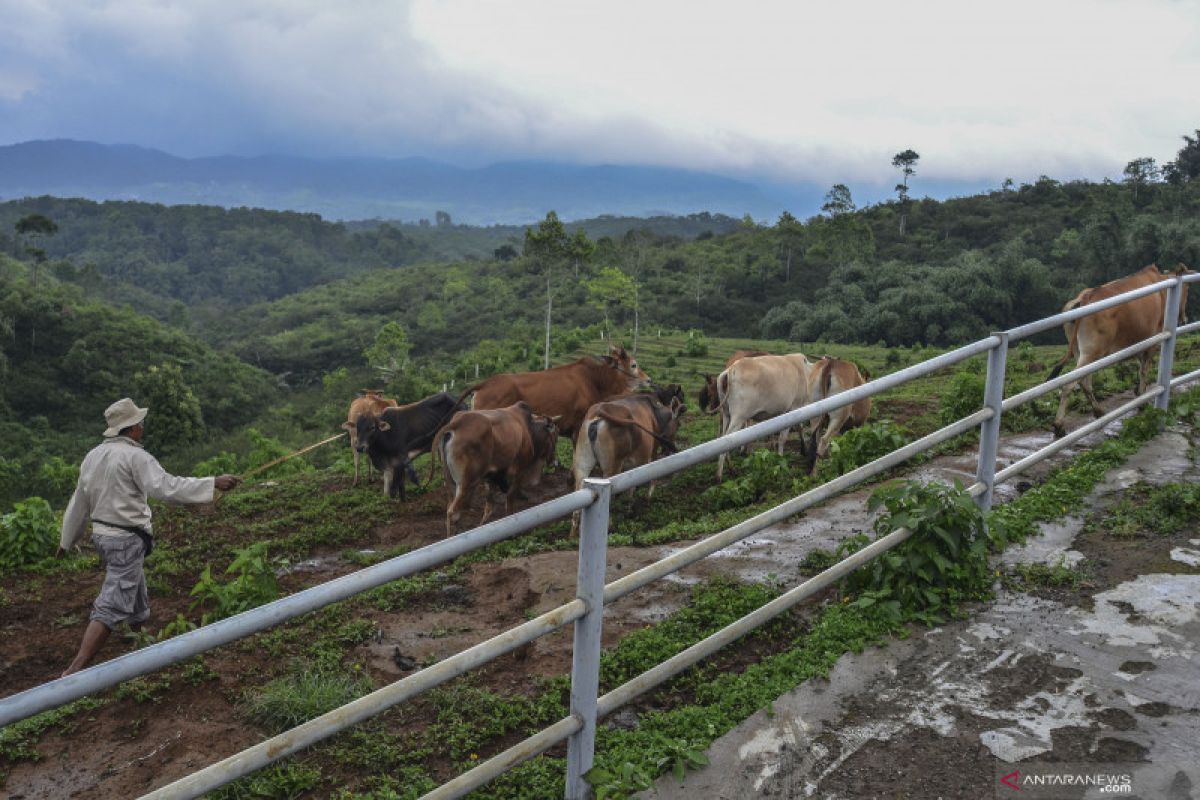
x=1059, y=431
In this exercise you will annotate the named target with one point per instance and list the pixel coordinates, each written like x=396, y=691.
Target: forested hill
x=963, y=268
x=65, y=357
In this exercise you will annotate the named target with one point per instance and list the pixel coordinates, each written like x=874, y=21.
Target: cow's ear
x=346, y=426
x=384, y=425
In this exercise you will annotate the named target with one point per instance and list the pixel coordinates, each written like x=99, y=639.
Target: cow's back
x=563, y=392
x=1116, y=328
x=834, y=376
x=769, y=384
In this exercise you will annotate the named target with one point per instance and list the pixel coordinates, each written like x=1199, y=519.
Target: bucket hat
x=121, y=415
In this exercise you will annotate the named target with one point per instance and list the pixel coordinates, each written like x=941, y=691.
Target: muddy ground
x=162, y=730
x=1096, y=673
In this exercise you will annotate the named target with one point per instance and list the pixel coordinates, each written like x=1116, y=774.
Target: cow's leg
x=354, y=450
x=388, y=477
x=783, y=434
x=1086, y=385
x=454, y=510
x=1063, y=399
x=1143, y=372
x=735, y=425
x=583, y=462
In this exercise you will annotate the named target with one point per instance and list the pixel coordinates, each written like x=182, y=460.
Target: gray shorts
x=123, y=597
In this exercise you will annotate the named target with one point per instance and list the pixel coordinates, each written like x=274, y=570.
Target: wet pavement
x=1025, y=679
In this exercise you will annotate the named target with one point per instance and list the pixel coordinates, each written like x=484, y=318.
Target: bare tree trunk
x=635, y=319
x=549, y=305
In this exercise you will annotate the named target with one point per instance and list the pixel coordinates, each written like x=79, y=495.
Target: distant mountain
x=363, y=188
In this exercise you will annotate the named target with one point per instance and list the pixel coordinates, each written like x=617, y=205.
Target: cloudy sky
x=784, y=91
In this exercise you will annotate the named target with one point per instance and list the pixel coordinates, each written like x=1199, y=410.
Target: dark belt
x=141, y=533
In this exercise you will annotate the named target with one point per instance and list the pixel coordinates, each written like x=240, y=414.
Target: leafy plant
x=860, y=446
x=764, y=471
x=254, y=585
x=963, y=397
x=28, y=534
x=942, y=564
x=620, y=783
x=696, y=344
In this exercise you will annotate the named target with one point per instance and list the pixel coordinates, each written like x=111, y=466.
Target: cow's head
x=1181, y=269
x=666, y=420
x=369, y=427
x=620, y=360
x=708, y=393
x=544, y=433
x=670, y=394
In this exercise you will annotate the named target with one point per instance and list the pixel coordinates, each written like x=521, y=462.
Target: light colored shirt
x=115, y=480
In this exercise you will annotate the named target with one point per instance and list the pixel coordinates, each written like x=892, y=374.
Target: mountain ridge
x=411, y=188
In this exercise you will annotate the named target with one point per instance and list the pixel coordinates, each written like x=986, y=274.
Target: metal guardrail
x=585, y=612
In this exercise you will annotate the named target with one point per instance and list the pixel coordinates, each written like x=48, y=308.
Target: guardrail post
x=989, y=431
x=585, y=662
x=1166, y=355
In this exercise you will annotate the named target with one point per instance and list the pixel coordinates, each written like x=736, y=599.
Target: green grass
x=293, y=699
x=1144, y=509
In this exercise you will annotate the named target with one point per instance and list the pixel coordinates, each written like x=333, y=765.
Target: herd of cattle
x=618, y=419
x=608, y=407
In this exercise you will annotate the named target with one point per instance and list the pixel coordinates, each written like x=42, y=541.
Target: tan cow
x=370, y=403
x=832, y=376
x=564, y=393
x=708, y=393
x=760, y=388
x=1113, y=329
x=506, y=447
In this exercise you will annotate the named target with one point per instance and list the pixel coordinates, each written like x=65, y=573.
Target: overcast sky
x=788, y=90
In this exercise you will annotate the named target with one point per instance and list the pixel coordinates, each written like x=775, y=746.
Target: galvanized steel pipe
x=707, y=450
x=702, y=649
x=1074, y=436
x=110, y=673
x=678, y=560
x=326, y=725
x=497, y=765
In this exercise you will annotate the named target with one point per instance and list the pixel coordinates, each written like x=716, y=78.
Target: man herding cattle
x=114, y=481
x=1105, y=332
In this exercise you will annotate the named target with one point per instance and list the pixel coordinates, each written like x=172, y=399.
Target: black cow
x=672, y=391
x=398, y=435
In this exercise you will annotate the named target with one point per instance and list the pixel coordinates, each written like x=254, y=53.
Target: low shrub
x=943, y=563
x=28, y=534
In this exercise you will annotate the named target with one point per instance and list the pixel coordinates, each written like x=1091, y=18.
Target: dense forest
x=232, y=317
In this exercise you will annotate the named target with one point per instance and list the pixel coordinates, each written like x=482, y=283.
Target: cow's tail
x=462, y=397
x=722, y=393
x=667, y=444
x=1072, y=343
x=440, y=440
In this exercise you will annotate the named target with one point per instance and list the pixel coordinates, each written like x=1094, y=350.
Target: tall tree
x=904, y=161
x=389, y=351
x=790, y=233
x=838, y=200
x=1141, y=172
x=32, y=228
x=549, y=248
x=610, y=289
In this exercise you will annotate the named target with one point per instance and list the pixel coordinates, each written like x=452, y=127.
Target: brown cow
x=370, y=403
x=1113, y=329
x=832, y=376
x=506, y=448
x=759, y=388
x=708, y=393
x=565, y=393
